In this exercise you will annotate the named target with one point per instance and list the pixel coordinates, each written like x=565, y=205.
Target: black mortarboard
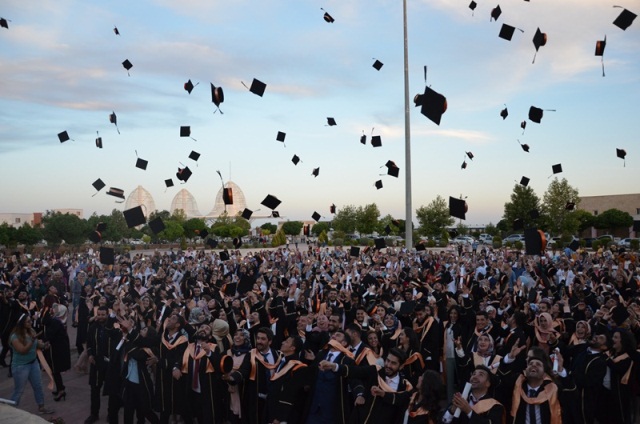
x=376, y=141
x=212, y=243
x=224, y=256
x=275, y=214
x=185, y=131
x=168, y=183
x=101, y=226
x=570, y=206
x=504, y=113
x=237, y=242
x=134, y=217
x=600, y=45
x=227, y=195
x=625, y=19
x=394, y=171
x=387, y=229
x=295, y=159
x=246, y=213
x=194, y=155
x=379, y=184
x=557, y=168
x=539, y=39
x=390, y=164
x=116, y=192
x=271, y=202
x=4, y=23
x=523, y=125
x=525, y=146
x=328, y=18
x=407, y=307
x=156, y=225
x=316, y=172
x=534, y=214
x=518, y=224
x=457, y=207
x=99, y=142
x=316, y=216
x=473, y=5
x=203, y=234
x=114, y=120
x=331, y=122
x=380, y=243
x=470, y=155
x=535, y=114
x=377, y=65
x=532, y=241
x=217, y=95
x=98, y=184
x=183, y=174
x=453, y=233
x=496, y=12
x=63, y=136
x=116, y=31
x=142, y=164
x=464, y=164
x=363, y=139
x=281, y=136
x=636, y=226
x=107, y=256
x=420, y=247
x=524, y=181
x=95, y=236
x=127, y=65
x=432, y=104
x=332, y=208
x=258, y=87
x=354, y=251
x=619, y=314
x=506, y=32
x=188, y=86
x=621, y=153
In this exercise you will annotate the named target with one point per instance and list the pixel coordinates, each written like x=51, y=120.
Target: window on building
x=595, y=212
x=637, y=211
x=17, y=220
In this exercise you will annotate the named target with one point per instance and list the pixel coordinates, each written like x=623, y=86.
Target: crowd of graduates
x=336, y=336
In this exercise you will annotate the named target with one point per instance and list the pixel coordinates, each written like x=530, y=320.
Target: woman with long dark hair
x=620, y=363
x=24, y=365
x=58, y=354
x=425, y=405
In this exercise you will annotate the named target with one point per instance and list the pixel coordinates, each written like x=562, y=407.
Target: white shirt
x=393, y=382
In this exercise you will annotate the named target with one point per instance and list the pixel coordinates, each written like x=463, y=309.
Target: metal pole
x=407, y=137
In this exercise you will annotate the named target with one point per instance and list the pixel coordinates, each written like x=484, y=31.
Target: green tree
x=345, y=219
x=173, y=231
x=272, y=228
x=554, y=202
x=391, y=222
x=279, y=239
x=462, y=229
x=63, y=226
x=292, y=228
x=243, y=224
x=8, y=236
x=613, y=219
x=319, y=228
x=192, y=227
x=180, y=216
x=28, y=235
x=585, y=219
x=434, y=217
x=117, y=227
x=523, y=201
x=367, y=218
x=165, y=215
x=323, y=237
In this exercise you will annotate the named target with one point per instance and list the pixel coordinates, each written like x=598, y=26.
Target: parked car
x=513, y=238
x=588, y=241
x=626, y=243
x=485, y=238
x=552, y=242
x=463, y=240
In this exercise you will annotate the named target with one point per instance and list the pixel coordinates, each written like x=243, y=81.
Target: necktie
x=532, y=408
x=330, y=356
x=267, y=372
x=195, y=382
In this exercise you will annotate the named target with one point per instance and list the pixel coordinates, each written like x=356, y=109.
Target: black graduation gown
x=169, y=396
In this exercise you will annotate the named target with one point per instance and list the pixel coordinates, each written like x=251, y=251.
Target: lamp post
x=407, y=137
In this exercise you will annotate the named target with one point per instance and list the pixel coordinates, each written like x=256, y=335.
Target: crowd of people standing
x=331, y=335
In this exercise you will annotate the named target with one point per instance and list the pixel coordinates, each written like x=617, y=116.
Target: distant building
x=239, y=202
x=77, y=212
x=141, y=197
x=17, y=220
x=184, y=200
x=595, y=205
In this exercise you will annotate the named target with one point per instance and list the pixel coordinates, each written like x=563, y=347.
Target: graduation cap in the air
x=189, y=86
x=332, y=208
x=183, y=174
x=134, y=217
x=331, y=122
x=98, y=185
x=212, y=243
x=64, y=136
x=523, y=125
x=524, y=181
x=116, y=192
x=504, y=113
x=363, y=138
x=227, y=195
x=636, y=226
x=168, y=183
x=457, y=207
x=98, y=141
x=257, y=87
x=275, y=214
x=392, y=169
x=202, y=233
x=157, y=225
x=224, y=255
x=354, y=251
x=535, y=114
x=127, y=65
x=506, y=32
x=114, y=120
x=96, y=235
x=377, y=65
x=470, y=155
x=380, y=243
x=281, y=136
x=518, y=224
x=116, y=31
x=387, y=229
x=316, y=172
x=107, y=255
x=271, y=202
x=327, y=18
x=4, y=23
x=473, y=6
x=185, y=131
x=556, y=169
x=525, y=146
x=316, y=216
x=378, y=184
x=600, y=45
x=464, y=165
x=495, y=13
x=246, y=213
x=237, y=242
x=141, y=163
x=625, y=19
x=217, y=95
x=621, y=153
x=376, y=141
x=194, y=155
x=539, y=40
x=570, y=206
x=535, y=241
x=432, y=104
x=295, y=159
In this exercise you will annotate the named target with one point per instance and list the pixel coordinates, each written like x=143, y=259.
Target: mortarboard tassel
x=222, y=181
x=602, y=61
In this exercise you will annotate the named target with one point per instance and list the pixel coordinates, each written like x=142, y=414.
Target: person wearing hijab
x=546, y=335
x=240, y=347
x=220, y=332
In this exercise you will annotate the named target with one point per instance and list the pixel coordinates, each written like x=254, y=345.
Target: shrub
x=365, y=241
x=595, y=244
x=634, y=244
x=431, y=243
x=518, y=245
x=337, y=242
x=497, y=242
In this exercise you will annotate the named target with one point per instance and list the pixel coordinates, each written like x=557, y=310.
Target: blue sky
x=61, y=70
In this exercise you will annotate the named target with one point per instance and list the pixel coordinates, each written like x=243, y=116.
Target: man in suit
x=360, y=350
x=383, y=394
x=429, y=332
x=481, y=407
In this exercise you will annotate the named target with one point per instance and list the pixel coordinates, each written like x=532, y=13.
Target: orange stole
x=292, y=365
x=369, y=354
x=337, y=346
x=190, y=352
x=255, y=356
x=424, y=328
x=384, y=386
x=485, y=405
x=627, y=375
x=478, y=360
x=417, y=356
x=550, y=393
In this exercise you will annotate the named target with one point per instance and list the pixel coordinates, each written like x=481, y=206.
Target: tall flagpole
x=407, y=137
